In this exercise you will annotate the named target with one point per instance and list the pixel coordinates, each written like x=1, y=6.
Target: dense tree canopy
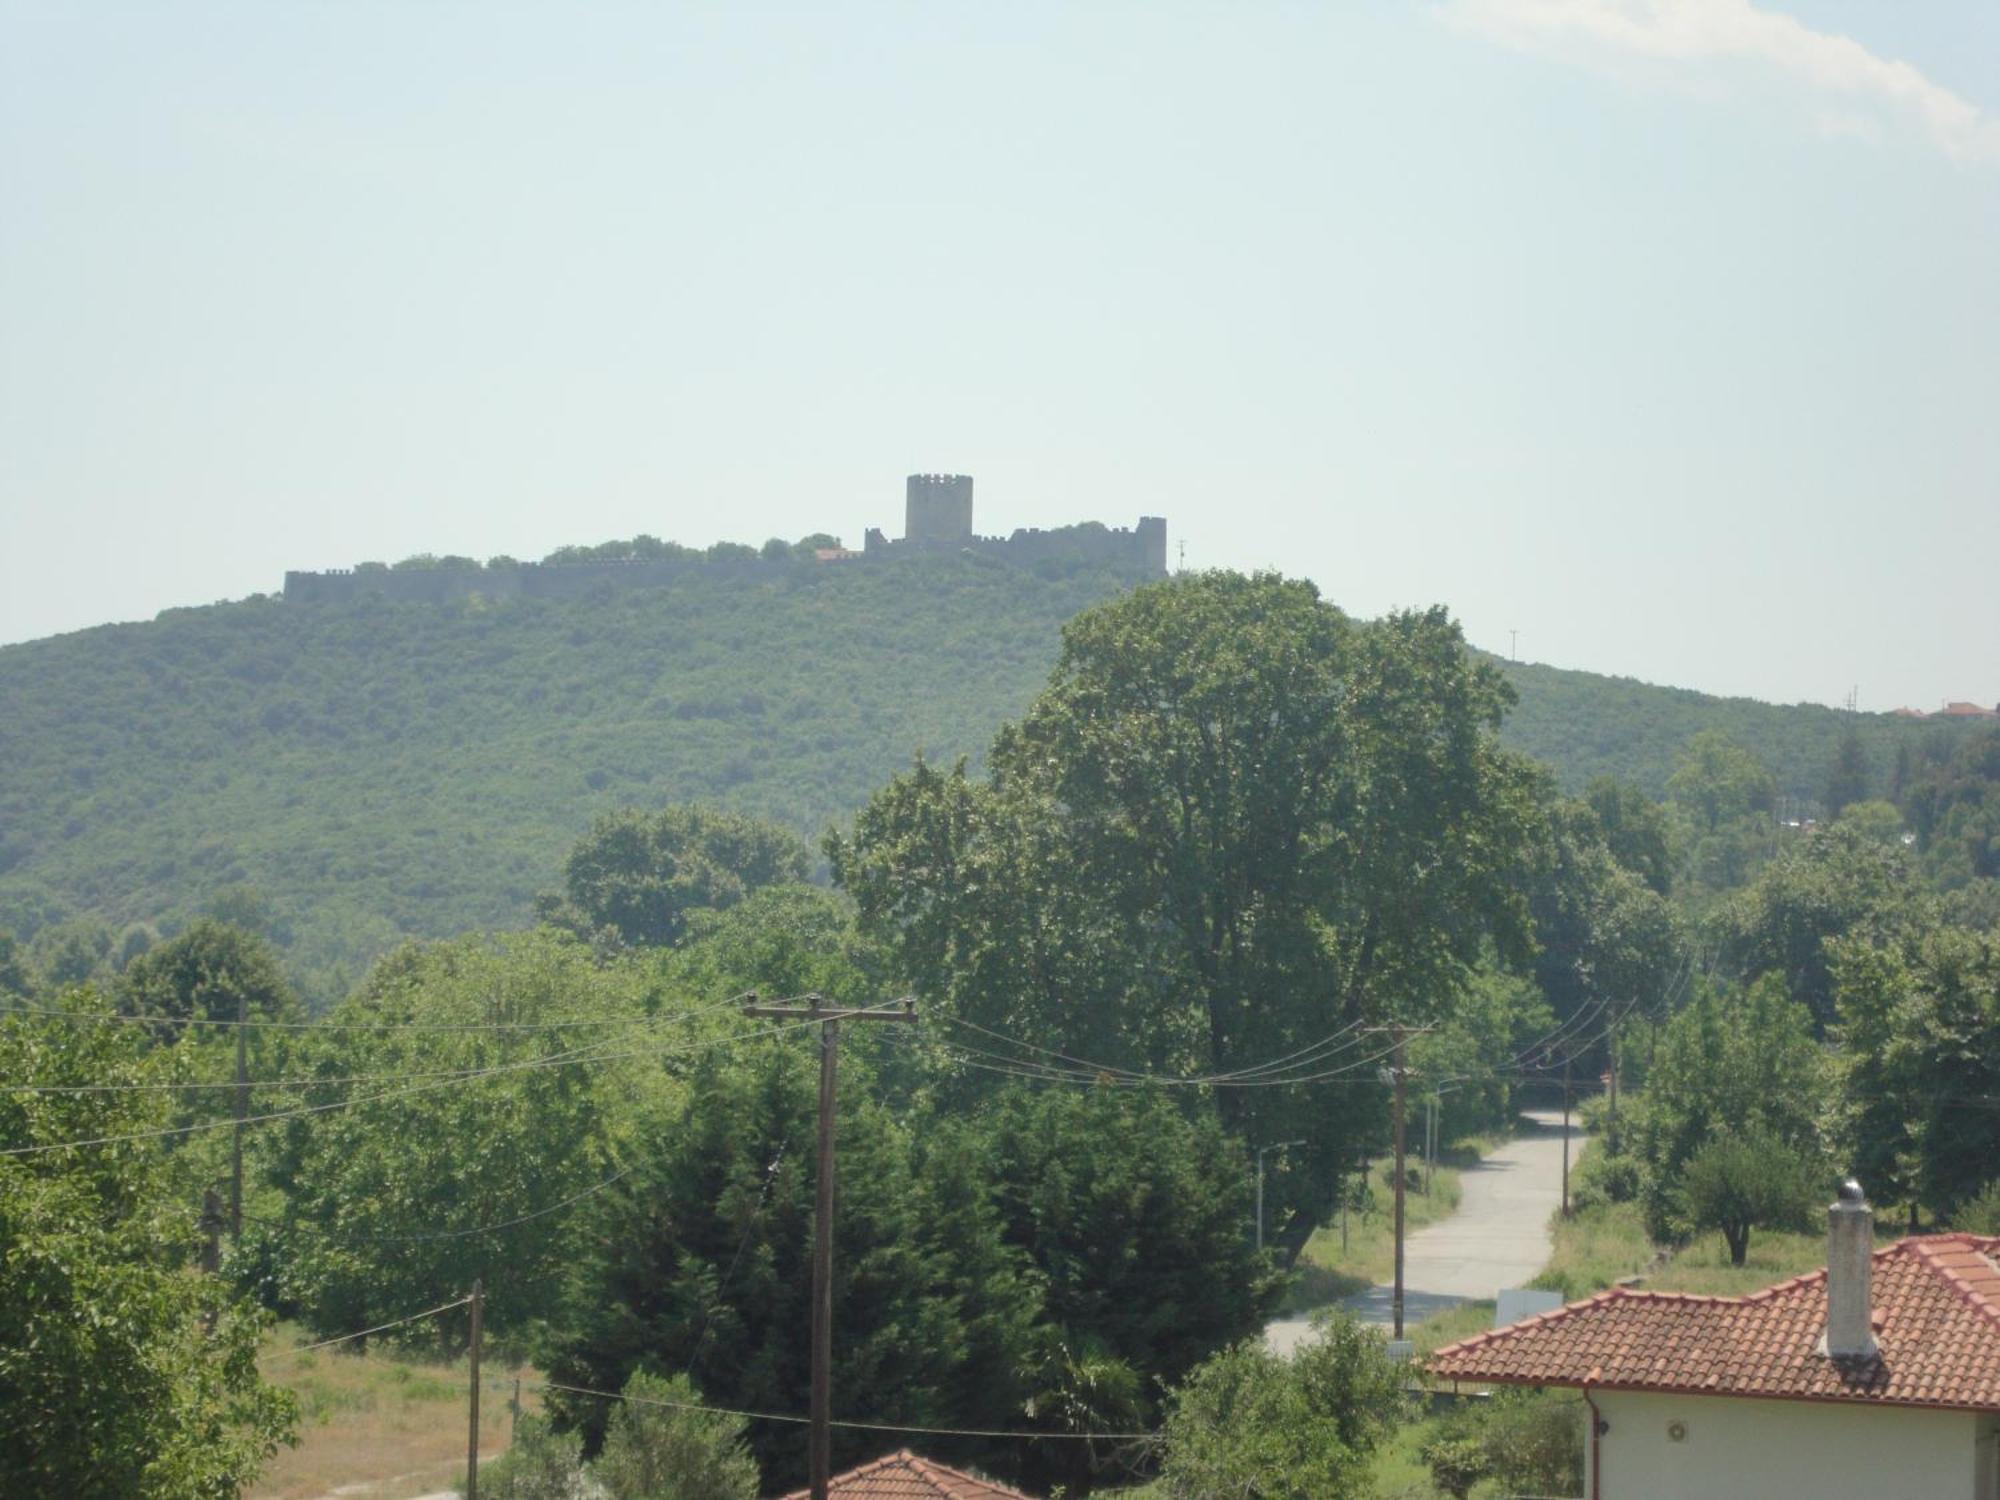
x=635, y=877
x=121, y=1373
x=1233, y=823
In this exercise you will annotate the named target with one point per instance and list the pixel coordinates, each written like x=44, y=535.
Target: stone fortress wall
x=937, y=518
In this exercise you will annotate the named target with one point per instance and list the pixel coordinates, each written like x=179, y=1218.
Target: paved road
x=1498, y=1238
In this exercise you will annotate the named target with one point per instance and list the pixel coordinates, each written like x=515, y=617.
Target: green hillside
x=377, y=769
x=1586, y=725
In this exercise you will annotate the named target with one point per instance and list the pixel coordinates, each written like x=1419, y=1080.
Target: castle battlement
x=937, y=518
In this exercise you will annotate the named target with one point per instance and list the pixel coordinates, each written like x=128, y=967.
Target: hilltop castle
x=937, y=518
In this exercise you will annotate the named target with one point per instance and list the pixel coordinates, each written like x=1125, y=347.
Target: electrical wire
x=456, y=1234
x=561, y=1059
x=119, y=1018
x=771, y=1416
x=346, y=1338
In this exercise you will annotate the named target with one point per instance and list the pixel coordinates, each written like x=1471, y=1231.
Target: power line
x=771, y=1416
x=120, y=1018
x=561, y=1059
x=306, y=1082
x=456, y=1234
x=346, y=1338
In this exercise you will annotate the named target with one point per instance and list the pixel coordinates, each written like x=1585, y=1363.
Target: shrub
x=543, y=1464
x=658, y=1444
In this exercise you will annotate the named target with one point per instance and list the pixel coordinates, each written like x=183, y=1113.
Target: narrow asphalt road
x=1498, y=1238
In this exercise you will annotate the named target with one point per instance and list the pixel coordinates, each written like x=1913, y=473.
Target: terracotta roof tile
x=904, y=1476
x=1936, y=1316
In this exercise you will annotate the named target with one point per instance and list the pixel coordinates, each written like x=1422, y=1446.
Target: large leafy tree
x=1252, y=1424
x=1233, y=822
x=1920, y=1035
x=206, y=973
x=121, y=1371
x=636, y=877
x=700, y=1263
x=1836, y=882
x=461, y=1145
x=1728, y=1063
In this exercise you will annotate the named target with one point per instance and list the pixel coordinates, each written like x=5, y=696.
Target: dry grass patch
x=381, y=1424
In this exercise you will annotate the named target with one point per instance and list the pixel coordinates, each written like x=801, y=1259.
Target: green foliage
x=1739, y=1182
x=1848, y=778
x=385, y=1203
x=1727, y=1063
x=668, y=1452
x=1133, y=1213
x=121, y=1373
x=1498, y=1017
x=69, y=954
x=1634, y=829
x=1586, y=726
x=1834, y=883
x=1253, y=1424
x=1194, y=852
x=205, y=974
x=635, y=877
x=1980, y=1214
x=1920, y=1038
x=14, y=981
x=543, y=1463
x=1607, y=943
x=1534, y=1441
x=1456, y=1465
x=381, y=770
x=700, y=1261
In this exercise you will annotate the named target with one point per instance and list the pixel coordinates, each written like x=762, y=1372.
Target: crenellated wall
x=937, y=519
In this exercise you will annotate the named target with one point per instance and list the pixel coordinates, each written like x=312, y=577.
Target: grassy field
x=1598, y=1246
x=380, y=1425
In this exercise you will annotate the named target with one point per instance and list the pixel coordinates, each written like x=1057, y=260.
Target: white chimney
x=1850, y=1259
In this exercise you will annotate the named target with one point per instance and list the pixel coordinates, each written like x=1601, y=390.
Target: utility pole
x=1398, y=1072
x=1611, y=1108
x=816, y=1009
x=209, y=1225
x=472, y=1433
x=242, y=1109
x=1565, y=1210
x=1401, y=1072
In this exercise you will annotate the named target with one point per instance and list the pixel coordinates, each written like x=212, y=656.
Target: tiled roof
x=904, y=1476
x=1936, y=1315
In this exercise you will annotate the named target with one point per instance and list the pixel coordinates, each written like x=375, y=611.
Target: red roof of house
x=1936, y=1314
x=1968, y=711
x=904, y=1476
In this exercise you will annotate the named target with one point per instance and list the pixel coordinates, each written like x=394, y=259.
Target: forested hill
x=376, y=769
x=1586, y=725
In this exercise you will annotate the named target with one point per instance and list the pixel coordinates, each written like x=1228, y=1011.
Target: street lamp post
x=1274, y=1146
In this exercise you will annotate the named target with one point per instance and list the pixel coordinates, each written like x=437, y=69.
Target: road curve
x=1498, y=1238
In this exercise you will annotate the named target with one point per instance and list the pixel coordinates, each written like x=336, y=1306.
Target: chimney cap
x=1850, y=1192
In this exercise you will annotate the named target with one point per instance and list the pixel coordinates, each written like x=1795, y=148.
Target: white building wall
x=1772, y=1449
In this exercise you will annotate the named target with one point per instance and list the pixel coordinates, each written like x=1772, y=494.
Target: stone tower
x=937, y=510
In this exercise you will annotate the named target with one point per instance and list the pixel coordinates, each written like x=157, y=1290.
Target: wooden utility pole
x=242, y=1109
x=815, y=1008
x=1565, y=1208
x=1400, y=1071
x=1611, y=1119
x=209, y=1225
x=472, y=1433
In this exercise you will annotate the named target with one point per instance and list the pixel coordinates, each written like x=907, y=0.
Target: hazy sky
x=1666, y=332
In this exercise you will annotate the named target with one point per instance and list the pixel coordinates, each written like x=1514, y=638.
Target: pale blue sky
x=1666, y=332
